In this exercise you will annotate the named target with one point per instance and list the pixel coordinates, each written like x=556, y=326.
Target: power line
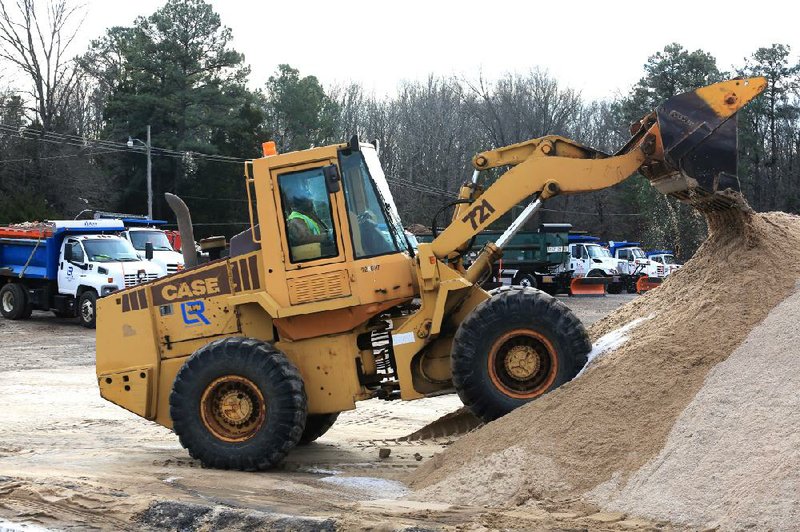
x=31, y=159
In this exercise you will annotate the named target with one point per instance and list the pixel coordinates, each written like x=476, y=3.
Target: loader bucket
x=645, y=283
x=694, y=156
x=588, y=286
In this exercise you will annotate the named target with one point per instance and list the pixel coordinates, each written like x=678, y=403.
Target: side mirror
x=68, y=253
x=148, y=250
x=332, y=178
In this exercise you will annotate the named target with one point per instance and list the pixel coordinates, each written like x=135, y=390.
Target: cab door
x=70, y=272
x=309, y=220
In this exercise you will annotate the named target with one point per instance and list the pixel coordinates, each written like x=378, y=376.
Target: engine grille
x=132, y=279
x=172, y=268
x=319, y=287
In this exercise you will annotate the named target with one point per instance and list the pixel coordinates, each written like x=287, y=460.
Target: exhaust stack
x=185, y=227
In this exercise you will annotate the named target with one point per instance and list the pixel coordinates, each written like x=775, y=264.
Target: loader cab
x=330, y=234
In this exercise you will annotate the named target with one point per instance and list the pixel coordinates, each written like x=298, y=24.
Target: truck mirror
x=332, y=178
x=148, y=250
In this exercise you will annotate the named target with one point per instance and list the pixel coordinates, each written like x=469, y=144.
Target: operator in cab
x=305, y=225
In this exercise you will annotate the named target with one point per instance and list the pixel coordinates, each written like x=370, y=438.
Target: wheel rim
x=87, y=311
x=233, y=408
x=522, y=364
x=526, y=282
x=8, y=302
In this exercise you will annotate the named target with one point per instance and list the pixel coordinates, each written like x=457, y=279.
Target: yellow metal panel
x=328, y=367
x=131, y=390
x=727, y=97
x=166, y=378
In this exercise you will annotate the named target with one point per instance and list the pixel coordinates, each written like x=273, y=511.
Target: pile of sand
x=592, y=436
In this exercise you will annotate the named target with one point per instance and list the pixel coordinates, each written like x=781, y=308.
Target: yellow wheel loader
x=322, y=301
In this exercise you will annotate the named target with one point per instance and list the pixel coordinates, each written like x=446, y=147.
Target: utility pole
x=149, y=177
x=148, y=147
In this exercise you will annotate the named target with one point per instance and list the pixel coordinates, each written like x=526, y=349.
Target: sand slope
x=733, y=457
x=617, y=417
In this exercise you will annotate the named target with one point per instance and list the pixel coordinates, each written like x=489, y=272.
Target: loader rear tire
x=238, y=403
x=14, y=302
x=316, y=426
x=513, y=348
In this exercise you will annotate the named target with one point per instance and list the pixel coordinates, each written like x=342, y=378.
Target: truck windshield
x=669, y=259
x=157, y=238
x=110, y=250
x=597, y=252
x=638, y=253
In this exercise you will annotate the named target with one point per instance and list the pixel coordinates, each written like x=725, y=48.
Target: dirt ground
x=68, y=459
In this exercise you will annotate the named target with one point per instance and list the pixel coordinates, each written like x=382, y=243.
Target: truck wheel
x=238, y=403
x=614, y=288
x=514, y=347
x=525, y=280
x=14, y=302
x=316, y=426
x=87, y=309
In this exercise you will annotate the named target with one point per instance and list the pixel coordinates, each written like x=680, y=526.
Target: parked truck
x=65, y=266
x=589, y=261
x=665, y=257
x=139, y=231
x=531, y=259
x=637, y=272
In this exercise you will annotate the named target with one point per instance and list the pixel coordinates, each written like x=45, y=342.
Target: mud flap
x=588, y=286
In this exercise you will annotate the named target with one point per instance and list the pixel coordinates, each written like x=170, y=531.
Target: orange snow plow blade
x=588, y=286
x=646, y=283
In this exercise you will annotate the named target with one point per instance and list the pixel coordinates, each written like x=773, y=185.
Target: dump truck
x=317, y=308
x=638, y=273
x=65, y=266
x=592, y=268
x=534, y=259
x=665, y=257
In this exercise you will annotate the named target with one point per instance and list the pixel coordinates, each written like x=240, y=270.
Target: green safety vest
x=312, y=225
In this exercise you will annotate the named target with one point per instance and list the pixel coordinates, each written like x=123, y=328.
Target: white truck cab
x=632, y=260
x=666, y=258
x=590, y=259
x=139, y=231
x=167, y=259
x=98, y=265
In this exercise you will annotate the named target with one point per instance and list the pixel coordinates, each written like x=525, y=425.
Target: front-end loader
x=322, y=302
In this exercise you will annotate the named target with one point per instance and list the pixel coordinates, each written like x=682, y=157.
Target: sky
x=595, y=47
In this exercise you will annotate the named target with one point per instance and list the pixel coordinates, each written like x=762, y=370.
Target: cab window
x=372, y=232
x=77, y=251
x=308, y=215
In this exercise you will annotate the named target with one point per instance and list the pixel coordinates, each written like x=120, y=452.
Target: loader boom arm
x=686, y=148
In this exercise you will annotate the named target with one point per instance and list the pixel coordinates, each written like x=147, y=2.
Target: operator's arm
x=299, y=233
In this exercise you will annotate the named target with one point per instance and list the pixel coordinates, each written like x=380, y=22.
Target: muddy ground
x=68, y=459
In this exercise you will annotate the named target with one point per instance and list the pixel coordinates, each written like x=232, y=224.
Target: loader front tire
x=14, y=302
x=316, y=426
x=238, y=403
x=513, y=348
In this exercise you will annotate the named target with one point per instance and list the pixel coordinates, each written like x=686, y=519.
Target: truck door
x=69, y=273
x=577, y=258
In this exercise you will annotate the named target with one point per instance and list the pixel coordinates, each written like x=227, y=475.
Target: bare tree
x=35, y=38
